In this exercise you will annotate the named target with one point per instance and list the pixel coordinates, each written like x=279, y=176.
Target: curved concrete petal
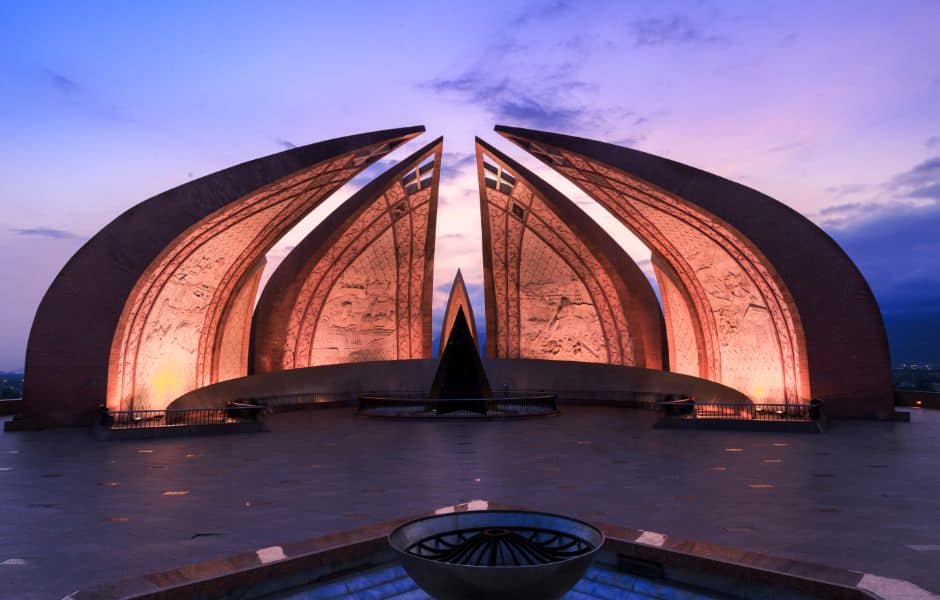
x=772, y=304
x=358, y=287
x=557, y=286
x=134, y=319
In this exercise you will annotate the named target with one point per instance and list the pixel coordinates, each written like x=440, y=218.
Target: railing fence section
x=176, y=417
x=689, y=409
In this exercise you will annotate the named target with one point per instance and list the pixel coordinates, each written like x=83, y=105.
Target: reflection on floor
x=392, y=583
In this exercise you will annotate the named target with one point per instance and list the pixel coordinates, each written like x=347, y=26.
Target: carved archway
x=557, y=286
x=359, y=286
x=163, y=277
x=775, y=308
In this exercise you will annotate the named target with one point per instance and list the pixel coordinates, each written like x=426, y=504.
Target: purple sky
x=833, y=109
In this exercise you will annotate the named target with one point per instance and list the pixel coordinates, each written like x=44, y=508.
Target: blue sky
x=833, y=108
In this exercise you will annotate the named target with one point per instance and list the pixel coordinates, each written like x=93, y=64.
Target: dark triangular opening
x=460, y=373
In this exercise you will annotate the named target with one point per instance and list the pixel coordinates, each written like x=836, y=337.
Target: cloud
x=62, y=83
x=785, y=147
x=511, y=102
x=451, y=236
x=907, y=193
x=372, y=171
x=550, y=101
x=933, y=141
x=539, y=11
x=674, y=30
x=544, y=77
x=898, y=255
x=893, y=234
x=849, y=189
x=45, y=232
x=289, y=145
x=922, y=181
x=454, y=163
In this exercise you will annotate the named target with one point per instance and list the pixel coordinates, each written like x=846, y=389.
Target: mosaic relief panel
x=751, y=358
x=164, y=365
x=559, y=321
x=358, y=319
x=521, y=222
x=319, y=282
x=743, y=311
x=595, y=277
x=364, y=298
x=497, y=219
x=419, y=274
x=167, y=342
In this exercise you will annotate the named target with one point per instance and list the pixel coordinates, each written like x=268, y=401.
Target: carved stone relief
x=746, y=333
x=168, y=339
x=364, y=285
x=552, y=298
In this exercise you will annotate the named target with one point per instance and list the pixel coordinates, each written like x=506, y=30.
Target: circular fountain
x=496, y=554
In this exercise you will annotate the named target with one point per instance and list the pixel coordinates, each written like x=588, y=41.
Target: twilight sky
x=832, y=108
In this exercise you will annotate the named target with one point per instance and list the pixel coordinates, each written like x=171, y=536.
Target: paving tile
x=830, y=502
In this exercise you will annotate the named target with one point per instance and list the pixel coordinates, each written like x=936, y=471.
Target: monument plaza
x=739, y=415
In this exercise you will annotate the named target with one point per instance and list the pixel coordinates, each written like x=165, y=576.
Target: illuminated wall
x=234, y=335
x=686, y=346
x=557, y=287
x=458, y=299
x=358, y=287
x=168, y=341
x=155, y=304
x=732, y=314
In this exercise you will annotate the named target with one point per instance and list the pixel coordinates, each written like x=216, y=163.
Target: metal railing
x=623, y=398
x=688, y=409
x=179, y=417
x=287, y=402
x=415, y=405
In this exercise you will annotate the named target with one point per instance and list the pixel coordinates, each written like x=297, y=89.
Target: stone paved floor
x=79, y=512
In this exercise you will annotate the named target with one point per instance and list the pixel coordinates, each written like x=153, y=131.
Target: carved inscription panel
x=164, y=365
x=358, y=319
x=558, y=319
x=750, y=353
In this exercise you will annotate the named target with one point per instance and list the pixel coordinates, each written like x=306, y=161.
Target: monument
x=758, y=304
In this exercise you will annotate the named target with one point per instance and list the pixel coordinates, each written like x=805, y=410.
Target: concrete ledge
x=742, y=425
x=917, y=399
x=148, y=433
x=10, y=407
x=266, y=571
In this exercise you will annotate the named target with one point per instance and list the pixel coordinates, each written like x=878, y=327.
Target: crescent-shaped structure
x=156, y=304
x=557, y=287
x=358, y=287
x=756, y=296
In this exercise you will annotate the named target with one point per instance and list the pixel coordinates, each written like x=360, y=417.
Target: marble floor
x=78, y=512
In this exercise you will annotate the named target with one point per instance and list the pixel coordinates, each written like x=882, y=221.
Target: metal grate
x=500, y=547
